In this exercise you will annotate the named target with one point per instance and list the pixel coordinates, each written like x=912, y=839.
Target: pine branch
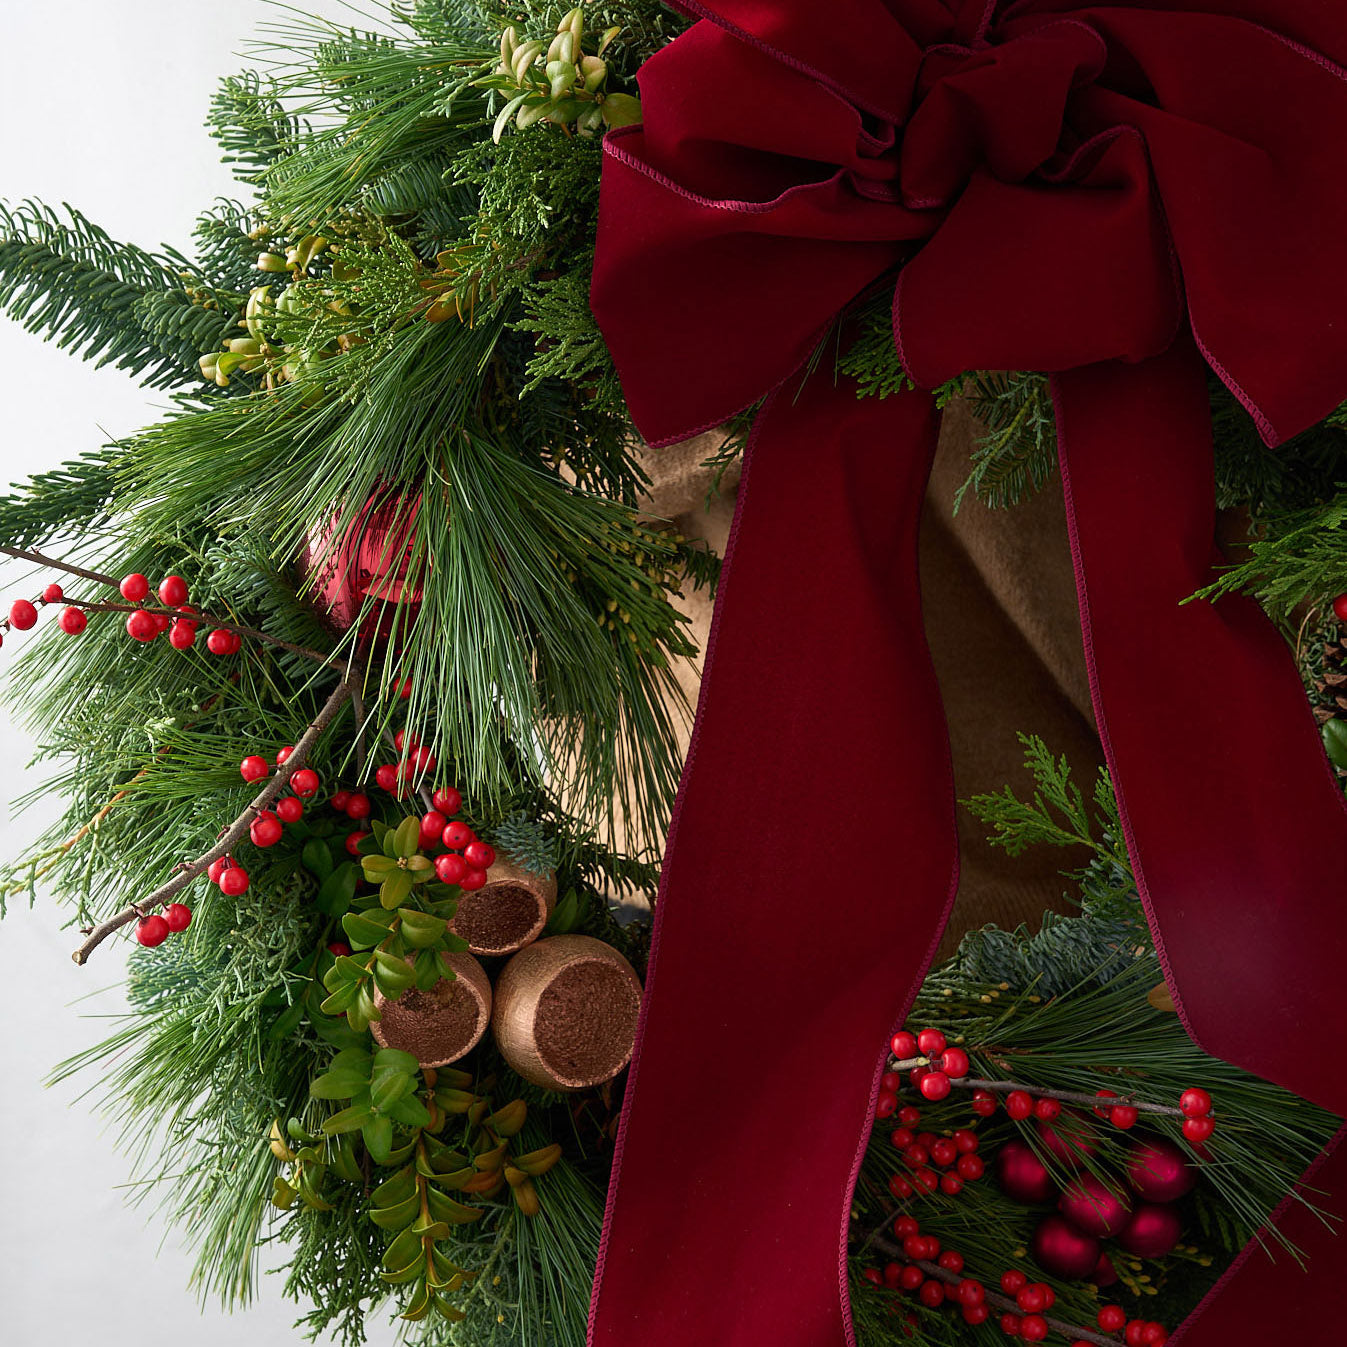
x=1017, y=455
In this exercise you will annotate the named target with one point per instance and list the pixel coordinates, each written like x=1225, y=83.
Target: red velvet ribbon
x=1122, y=195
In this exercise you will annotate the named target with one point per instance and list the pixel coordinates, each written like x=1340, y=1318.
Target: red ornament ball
x=903, y=1045
x=178, y=916
x=450, y=868
x=358, y=806
x=172, y=591
x=152, y=930
x=72, y=621
x=1159, y=1171
x=1069, y=1138
x=53, y=594
x=1093, y=1206
x=234, y=881
x=182, y=635
x=134, y=587
x=289, y=810
x=1022, y=1175
x=934, y=1085
x=1062, y=1250
x=931, y=1042
x=1152, y=1232
x=1019, y=1104
x=1104, y=1274
x=254, y=768
x=480, y=855
x=447, y=800
x=305, y=782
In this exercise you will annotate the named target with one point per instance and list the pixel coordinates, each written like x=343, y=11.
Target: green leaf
x=399, y=1215
x=340, y=1084
x=397, y=1189
x=444, y=1208
x=566, y=915
x=394, y=889
x=420, y=1304
x=394, y=1059
x=1335, y=741
x=405, y=1252
x=393, y=975
x=337, y=890
x=286, y=1022
x=621, y=110
x=348, y=1120
x=419, y=929
x=387, y=1087
x=407, y=838
x=342, y=999
x=429, y=969
x=410, y=1112
x=366, y=929
x=282, y=1194
x=316, y=858
x=378, y=1134
x=377, y=867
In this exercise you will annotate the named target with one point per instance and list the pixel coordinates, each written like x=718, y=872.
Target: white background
x=102, y=104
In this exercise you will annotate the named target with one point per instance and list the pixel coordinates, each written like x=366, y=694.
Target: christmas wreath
x=362, y=684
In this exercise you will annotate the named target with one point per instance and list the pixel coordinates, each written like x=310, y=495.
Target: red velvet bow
x=1122, y=195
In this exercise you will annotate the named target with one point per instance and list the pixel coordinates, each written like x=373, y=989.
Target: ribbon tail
x=810, y=869
x=1236, y=828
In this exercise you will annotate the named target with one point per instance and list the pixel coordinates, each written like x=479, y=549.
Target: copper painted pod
x=566, y=1011
x=508, y=912
x=439, y=1026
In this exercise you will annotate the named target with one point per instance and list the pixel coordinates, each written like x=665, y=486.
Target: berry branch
x=225, y=624
x=188, y=870
x=998, y=1301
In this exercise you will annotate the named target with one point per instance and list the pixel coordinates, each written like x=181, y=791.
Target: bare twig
x=187, y=871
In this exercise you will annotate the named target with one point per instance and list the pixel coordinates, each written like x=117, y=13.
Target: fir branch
x=1017, y=455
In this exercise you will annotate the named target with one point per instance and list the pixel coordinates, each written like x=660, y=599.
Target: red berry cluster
x=1198, y=1124
x=155, y=928
x=946, y=1064
x=955, y=1155
x=23, y=613
x=1136, y=1332
x=966, y=1292
x=415, y=761
x=144, y=626
x=1032, y=1301
x=228, y=876
x=266, y=828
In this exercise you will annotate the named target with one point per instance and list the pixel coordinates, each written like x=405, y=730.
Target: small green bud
x=271, y=262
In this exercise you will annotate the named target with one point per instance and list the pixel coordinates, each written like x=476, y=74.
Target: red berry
x=386, y=777
x=911, y=1277
x=340, y=800
x=1111, y=1318
x=1049, y=1295
x=358, y=806
x=53, y=594
x=905, y=1226
x=289, y=810
x=480, y=854
x=1195, y=1102
x=265, y=829
x=917, y=1075
x=892, y=1273
x=970, y=1168
x=1198, y=1130
x=1012, y=1280
x=182, y=635
x=72, y=620
x=951, y=1184
x=220, y=642
x=984, y=1103
x=974, y=1314
x=965, y=1141
x=885, y=1104
x=152, y=930
x=134, y=587
x=931, y=1042
x=1010, y=1325
x=1047, y=1109
x=254, y=767
x=970, y=1291
x=1340, y=607
x=172, y=591
x=903, y=1045
x=873, y=1276
x=909, y=1116
x=1030, y=1298
x=916, y=1155
x=897, y=1182
x=418, y=761
x=1123, y=1116
x=234, y=881
x=404, y=739
x=1135, y=1334
x=954, y=1063
x=891, y=1080
x=1104, y=1094
x=188, y=612
x=944, y=1152
x=450, y=868
x=474, y=879
x=141, y=626
x=339, y=948
x=927, y=1179
x=447, y=800
x=1154, y=1335
x=1019, y=1104
x=217, y=868
x=457, y=835
x=305, y=782
x=283, y=754
x=404, y=689
x=1033, y=1328
x=932, y=1294
x=353, y=841
x=178, y=916
x=432, y=829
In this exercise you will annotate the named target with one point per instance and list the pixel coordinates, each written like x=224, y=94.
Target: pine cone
x=1329, y=681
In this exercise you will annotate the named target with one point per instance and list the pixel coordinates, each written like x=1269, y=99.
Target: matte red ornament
x=1069, y=1139
x=1094, y=1207
x=1152, y=1232
x=1158, y=1170
x=1062, y=1249
x=1022, y=1175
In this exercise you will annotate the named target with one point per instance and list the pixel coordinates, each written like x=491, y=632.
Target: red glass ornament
x=1093, y=1206
x=1069, y=1138
x=72, y=621
x=1104, y=1274
x=1022, y=1175
x=1152, y=1232
x=903, y=1045
x=178, y=916
x=1159, y=1171
x=1062, y=1250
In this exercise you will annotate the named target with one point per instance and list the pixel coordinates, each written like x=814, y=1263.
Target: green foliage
x=1018, y=453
